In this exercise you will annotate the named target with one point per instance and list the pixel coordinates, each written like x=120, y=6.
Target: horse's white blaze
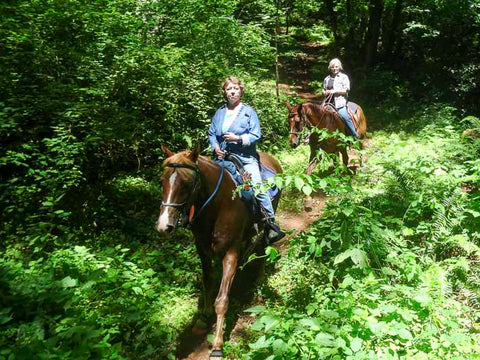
x=164, y=217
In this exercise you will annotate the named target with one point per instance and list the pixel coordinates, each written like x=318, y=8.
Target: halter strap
x=184, y=166
x=213, y=193
x=303, y=117
x=194, y=168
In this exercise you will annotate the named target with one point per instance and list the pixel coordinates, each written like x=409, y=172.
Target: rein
x=219, y=181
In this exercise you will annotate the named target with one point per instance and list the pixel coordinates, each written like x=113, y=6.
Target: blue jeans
x=343, y=112
x=231, y=169
x=250, y=164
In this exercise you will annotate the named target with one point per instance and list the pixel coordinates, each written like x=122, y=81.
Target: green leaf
x=359, y=257
x=270, y=322
x=347, y=211
x=137, y=290
x=311, y=323
x=279, y=347
x=324, y=339
x=405, y=334
x=257, y=325
x=272, y=253
x=256, y=309
x=356, y=344
x=423, y=299
x=299, y=183
x=307, y=190
x=68, y=282
x=261, y=343
x=342, y=257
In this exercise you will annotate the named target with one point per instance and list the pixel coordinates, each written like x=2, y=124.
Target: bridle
x=184, y=206
x=303, y=120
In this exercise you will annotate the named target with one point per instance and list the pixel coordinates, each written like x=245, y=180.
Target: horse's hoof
x=216, y=354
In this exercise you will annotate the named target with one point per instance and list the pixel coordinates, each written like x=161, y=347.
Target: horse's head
x=181, y=182
x=296, y=123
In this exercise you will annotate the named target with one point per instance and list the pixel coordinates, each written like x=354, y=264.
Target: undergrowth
x=390, y=270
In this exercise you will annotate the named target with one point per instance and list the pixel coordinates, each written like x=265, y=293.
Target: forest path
x=297, y=73
x=295, y=78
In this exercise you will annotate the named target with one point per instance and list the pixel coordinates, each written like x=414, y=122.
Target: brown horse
x=323, y=117
x=223, y=230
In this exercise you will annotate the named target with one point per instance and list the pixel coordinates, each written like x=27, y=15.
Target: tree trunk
x=332, y=16
x=391, y=36
x=373, y=33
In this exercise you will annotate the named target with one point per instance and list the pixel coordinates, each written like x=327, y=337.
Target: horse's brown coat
x=222, y=231
x=315, y=115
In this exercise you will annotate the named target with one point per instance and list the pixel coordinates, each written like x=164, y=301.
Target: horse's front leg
x=313, y=160
x=344, y=153
x=206, y=306
x=311, y=167
x=229, y=263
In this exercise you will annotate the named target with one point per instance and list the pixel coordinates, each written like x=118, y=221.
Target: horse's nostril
x=170, y=228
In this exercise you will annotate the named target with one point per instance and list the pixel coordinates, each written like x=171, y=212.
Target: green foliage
x=107, y=304
x=89, y=90
x=390, y=269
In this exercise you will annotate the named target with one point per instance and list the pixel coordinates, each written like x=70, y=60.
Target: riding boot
x=272, y=231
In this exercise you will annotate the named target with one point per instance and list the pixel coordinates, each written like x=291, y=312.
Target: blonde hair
x=335, y=61
x=233, y=80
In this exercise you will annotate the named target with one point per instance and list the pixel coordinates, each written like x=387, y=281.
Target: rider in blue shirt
x=235, y=129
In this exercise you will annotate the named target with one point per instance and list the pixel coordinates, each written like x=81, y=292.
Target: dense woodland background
x=90, y=89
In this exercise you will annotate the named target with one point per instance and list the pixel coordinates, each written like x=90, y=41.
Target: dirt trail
x=295, y=72
x=290, y=221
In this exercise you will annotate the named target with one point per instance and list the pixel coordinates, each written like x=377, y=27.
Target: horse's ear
x=166, y=150
x=195, y=152
x=289, y=107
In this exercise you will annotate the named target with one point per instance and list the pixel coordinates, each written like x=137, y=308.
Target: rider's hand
x=220, y=153
x=230, y=137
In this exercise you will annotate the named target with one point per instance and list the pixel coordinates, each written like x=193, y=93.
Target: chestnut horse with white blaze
x=222, y=225
x=322, y=117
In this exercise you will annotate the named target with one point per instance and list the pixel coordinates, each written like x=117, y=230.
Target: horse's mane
x=314, y=107
x=183, y=158
x=321, y=113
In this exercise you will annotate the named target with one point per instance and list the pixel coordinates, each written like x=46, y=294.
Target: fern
x=435, y=282
x=448, y=215
x=403, y=180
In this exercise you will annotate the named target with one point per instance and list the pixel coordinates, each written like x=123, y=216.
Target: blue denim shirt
x=245, y=125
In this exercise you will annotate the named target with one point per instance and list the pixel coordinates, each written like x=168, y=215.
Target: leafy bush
x=389, y=270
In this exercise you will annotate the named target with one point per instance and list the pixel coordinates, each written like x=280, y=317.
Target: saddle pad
x=352, y=106
x=266, y=174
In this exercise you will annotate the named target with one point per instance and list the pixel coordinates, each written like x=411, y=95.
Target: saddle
x=351, y=108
